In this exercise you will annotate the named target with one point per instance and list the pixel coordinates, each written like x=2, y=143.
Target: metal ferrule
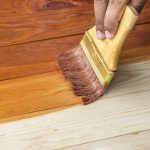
x=96, y=60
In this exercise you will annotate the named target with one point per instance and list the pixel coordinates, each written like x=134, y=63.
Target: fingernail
x=99, y=35
x=108, y=35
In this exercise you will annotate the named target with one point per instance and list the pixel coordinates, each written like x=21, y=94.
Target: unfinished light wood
x=25, y=21
x=39, y=57
x=133, y=141
x=121, y=114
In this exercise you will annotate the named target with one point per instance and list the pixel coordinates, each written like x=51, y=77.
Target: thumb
x=138, y=5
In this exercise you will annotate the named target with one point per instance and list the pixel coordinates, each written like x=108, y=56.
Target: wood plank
x=40, y=19
x=32, y=58
x=35, y=93
x=33, y=113
x=9, y=8
x=133, y=141
x=39, y=57
x=124, y=113
x=47, y=91
x=25, y=21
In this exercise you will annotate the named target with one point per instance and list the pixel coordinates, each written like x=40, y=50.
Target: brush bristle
x=76, y=68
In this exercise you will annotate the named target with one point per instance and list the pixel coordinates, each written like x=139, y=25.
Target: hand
x=108, y=14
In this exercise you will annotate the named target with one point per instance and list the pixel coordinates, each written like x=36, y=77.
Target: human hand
x=108, y=14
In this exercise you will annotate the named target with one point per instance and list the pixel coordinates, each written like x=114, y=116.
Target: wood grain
x=33, y=113
x=35, y=93
x=47, y=91
x=32, y=58
x=40, y=56
x=133, y=141
x=32, y=34
x=24, y=21
x=125, y=112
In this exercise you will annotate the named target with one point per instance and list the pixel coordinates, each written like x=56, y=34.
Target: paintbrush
x=91, y=66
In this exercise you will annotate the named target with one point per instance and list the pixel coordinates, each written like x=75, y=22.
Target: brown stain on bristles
x=78, y=71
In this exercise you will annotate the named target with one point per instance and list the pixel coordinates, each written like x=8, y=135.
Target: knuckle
x=100, y=1
x=138, y=4
x=110, y=25
x=100, y=28
x=99, y=24
x=118, y=2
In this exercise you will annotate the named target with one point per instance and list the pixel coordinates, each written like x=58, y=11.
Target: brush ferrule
x=96, y=60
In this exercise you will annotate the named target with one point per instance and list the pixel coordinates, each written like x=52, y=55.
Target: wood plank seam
x=107, y=139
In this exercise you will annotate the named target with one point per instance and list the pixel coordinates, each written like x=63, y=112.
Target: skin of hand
x=108, y=14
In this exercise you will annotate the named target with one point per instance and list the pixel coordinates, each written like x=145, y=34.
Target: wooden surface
x=35, y=93
x=120, y=120
x=32, y=34
x=133, y=141
x=24, y=21
x=42, y=92
x=31, y=83
x=46, y=91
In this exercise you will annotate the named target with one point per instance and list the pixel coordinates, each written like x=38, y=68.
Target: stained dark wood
x=24, y=21
x=32, y=58
x=137, y=45
x=38, y=57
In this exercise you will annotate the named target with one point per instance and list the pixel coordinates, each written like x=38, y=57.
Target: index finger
x=100, y=7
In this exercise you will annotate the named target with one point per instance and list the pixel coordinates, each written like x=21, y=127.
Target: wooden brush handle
x=110, y=48
x=127, y=23
x=129, y=18
x=113, y=46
